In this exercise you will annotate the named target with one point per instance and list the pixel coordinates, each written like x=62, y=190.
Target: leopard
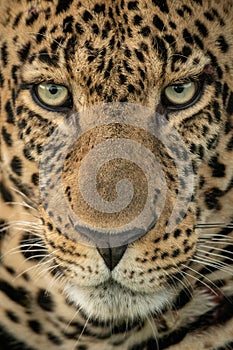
x=116, y=180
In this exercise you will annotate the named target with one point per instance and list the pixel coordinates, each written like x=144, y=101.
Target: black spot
x=175, y=253
x=127, y=67
x=63, y=5
x=39, y=148
x=201, y=182
x=139, y=55
x=27, y=154
x=132, y=5
x=54, y=339
x=177, y=233
x=186, y=51
x=215, y=64
x=137, y=20
x=95, y=29
x=16, y=165
x=198, y=41
x=131, y=88
x=199, y=2
x=188, y=232
x=5, y=193
x=218, y=168
x=82, y=347
x=45, y=301
x=158, y=23
x=68, y=24
x=12, y=316
x=1, y=80
x=7, y=137
x=187, y=36
x=170, y=39
x=48, y=13
x=230, y=145
x=229, y=108
x=223, y=45
x=4, y=54
x=183, y=298
x=145, y=31
x=44, y=57
x=201, y=151
x=19, y=111
x=87, y=16
x=10, y=113
x=57, y=42
x=228, y=128
x=162, y=5
x=129, y=32
x=209, y=16
x=109, y=68
x=180, y=12
x=8, y=342
x=79, y=28
x=172, y=25
x=70, y=48
x=41, y=34
x=35, y=179
x=211, y=198
x=160, y=46
x=35, y=326
x=216, y=109
x=106, y=30
x=164, y=255
x=99, y=8
x=17, y=294
x=32, y=16
x=10, y=270
x=50, y=226
x=14, y=70
x=17, y=19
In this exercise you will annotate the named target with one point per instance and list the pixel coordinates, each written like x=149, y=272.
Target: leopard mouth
x=113, y=302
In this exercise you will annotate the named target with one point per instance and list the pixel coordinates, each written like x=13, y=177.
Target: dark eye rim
x=200, y=85
x=67, y=105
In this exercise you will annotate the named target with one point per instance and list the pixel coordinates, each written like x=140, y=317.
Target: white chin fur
x=111, y=302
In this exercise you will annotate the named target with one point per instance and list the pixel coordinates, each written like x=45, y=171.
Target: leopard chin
x=111, y=302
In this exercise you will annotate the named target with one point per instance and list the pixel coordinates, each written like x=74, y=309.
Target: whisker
x=212, y=263
x=153, y=328
x=83, y=330
x=199, y=280
x=210, y=225
x=220, y=266
x=216, y=254
x=36, y=266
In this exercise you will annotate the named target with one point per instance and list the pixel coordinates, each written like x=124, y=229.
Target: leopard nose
x=112, y=256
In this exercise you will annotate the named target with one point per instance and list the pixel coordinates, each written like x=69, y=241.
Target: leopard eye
x=51, y=96
x=181, y=96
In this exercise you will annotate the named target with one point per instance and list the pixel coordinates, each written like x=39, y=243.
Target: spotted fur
x=166, y=289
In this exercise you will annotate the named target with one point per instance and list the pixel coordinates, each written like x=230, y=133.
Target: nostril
x=112, y=256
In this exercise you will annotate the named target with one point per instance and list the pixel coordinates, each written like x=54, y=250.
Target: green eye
x=51, y=96
x=181, y=95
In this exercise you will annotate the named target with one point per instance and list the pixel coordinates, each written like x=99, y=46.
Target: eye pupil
x=179, y=89
x=53, y=90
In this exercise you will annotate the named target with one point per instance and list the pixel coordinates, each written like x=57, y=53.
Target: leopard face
x=147, y=80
